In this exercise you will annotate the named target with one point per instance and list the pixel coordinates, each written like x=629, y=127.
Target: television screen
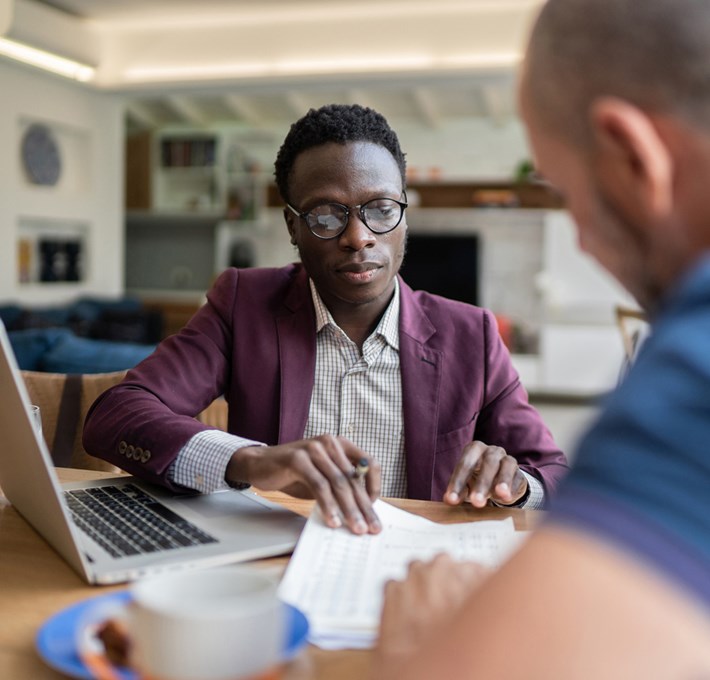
x=443, y=264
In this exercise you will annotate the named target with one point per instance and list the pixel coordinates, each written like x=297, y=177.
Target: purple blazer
x=254, y=341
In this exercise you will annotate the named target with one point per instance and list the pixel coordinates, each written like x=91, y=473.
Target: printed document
x=337, y=578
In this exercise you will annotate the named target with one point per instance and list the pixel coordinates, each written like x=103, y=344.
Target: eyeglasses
x=380, y=215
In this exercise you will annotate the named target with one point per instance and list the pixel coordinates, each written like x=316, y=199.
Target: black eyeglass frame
x=403, y=205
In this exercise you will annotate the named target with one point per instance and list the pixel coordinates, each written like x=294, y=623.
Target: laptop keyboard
x=124, y=520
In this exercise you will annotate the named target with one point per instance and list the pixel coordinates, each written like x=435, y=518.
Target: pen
x=361, y=469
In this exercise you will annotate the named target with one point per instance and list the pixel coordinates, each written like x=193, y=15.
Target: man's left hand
x=486, y=472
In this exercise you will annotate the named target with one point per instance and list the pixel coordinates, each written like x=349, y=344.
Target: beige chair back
x=46, y=390
x=215, y=414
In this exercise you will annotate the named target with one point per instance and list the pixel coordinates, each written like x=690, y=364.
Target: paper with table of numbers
x=337, y=578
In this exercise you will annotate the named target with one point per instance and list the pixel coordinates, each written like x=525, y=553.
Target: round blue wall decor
x=40, y=155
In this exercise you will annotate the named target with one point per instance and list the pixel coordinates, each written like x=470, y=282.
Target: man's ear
x=288, y=218
x=634, y=164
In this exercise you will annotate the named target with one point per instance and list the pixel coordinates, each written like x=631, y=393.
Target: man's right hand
x=415, y=608
x=320, y=468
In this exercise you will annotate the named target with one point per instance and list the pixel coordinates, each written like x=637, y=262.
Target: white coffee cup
x=214, y=624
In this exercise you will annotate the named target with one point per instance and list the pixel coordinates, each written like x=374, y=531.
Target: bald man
x=615, y=96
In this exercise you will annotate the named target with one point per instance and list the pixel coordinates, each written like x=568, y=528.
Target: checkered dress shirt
x=359, y=396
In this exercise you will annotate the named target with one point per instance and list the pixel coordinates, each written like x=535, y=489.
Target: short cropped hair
x=339, y=123
x=654, y=54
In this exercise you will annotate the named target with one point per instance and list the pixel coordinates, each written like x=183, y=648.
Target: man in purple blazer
x=334, y=368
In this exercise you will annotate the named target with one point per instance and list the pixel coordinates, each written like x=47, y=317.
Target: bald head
x=652, y=53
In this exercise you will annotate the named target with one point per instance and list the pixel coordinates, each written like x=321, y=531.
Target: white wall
x=460, y=149
x=88, y=199
x=465, y=149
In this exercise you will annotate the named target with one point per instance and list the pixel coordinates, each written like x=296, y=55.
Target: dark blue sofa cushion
x=10, y=315
x=72, y=354
x=32, y=344
x=58, y=350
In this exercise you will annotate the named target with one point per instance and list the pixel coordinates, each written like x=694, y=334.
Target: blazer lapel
x=420, y=366
x=295, y=328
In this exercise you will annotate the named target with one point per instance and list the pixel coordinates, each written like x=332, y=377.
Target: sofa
x=91, y=335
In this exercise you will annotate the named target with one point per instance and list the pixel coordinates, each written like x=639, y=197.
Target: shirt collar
x=388, y=327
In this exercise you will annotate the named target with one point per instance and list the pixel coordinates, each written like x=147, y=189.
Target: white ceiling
x=265, y=62
x=127, y=11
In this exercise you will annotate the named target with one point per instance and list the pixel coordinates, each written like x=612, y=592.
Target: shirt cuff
x=202, y=463
x=534, y=499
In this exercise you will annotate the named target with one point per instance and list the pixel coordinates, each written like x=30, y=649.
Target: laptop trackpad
x=226, y=504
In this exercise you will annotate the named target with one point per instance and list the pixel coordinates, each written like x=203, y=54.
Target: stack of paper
x=337, y=578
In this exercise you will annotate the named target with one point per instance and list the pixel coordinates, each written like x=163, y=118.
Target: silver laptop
x=119, y=529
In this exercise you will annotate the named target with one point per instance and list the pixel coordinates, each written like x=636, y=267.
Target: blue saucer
x=56, y=639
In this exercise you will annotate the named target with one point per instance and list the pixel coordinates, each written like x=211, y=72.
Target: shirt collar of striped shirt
x=388, y=327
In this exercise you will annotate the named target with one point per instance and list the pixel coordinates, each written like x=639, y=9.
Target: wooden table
x=36, y=583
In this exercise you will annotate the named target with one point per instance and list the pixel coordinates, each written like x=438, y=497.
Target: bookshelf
x=193, y=172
